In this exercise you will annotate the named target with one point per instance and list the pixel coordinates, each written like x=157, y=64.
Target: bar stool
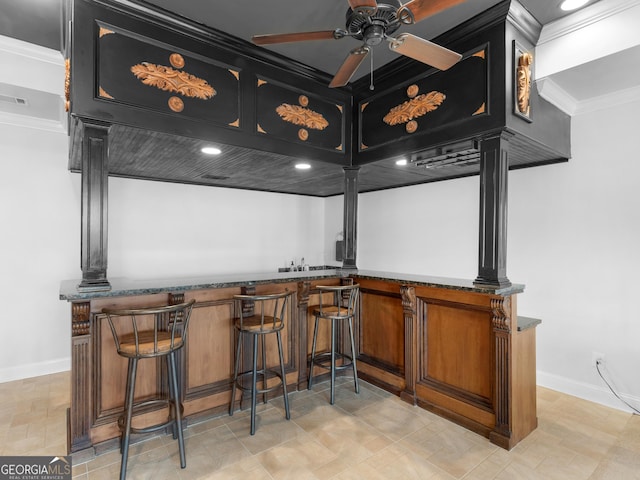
x=340, y=310
x=153, y=332
x=259, y=316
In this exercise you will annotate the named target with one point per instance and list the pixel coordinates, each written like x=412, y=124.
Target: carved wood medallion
x=416, y=107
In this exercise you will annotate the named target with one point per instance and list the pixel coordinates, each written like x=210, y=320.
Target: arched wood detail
x=80, y=324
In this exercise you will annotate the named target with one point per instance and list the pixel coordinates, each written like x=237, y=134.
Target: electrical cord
x=635, y=410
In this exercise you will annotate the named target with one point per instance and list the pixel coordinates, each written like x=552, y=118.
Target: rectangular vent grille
x=458, y=155
x=214, y=177
x=13, y=100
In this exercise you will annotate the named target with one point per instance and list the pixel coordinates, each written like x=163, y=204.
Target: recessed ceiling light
x=572, y=4
x=402, y=161
x=303, y=166
x=211, y=150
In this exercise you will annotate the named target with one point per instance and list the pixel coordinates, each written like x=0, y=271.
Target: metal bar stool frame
x=164, y=338
x=258, y=324
x=341, y=309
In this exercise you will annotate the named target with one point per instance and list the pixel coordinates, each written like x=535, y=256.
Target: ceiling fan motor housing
x=373, y=29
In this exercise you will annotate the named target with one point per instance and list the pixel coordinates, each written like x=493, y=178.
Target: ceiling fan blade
x=416, y=10
x=364, y=7
x=424, y=51
x=271, y=38
x=349, y=67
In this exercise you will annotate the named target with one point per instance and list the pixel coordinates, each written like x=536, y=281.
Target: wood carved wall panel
x=299, y=117
x=144, y=72
x=422, y=105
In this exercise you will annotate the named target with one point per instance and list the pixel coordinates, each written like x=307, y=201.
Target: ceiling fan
x=373, y=22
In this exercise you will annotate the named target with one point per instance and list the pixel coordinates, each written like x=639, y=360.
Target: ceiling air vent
x=13, y=100
x=214, y=177
x=453, y=155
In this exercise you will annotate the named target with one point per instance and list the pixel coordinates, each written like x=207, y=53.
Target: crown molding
x=30, y=50
x=27, y=121
x=583, y=18
x=556, y=95
x=614, y=99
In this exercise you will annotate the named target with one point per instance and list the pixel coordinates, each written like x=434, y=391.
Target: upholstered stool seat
x=341, y=310
x=259, y=316
x=153, y=332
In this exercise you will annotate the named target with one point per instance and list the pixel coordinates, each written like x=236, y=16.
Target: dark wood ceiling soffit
x=265, y=125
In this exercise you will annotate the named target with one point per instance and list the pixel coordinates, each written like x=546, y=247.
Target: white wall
x=155, y=230
x=574, y=233
x=39, y=245
x=573, y=240
x=161, y=229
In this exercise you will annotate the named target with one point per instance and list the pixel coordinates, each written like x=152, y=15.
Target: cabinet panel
x=458, y=350
x=381, y=331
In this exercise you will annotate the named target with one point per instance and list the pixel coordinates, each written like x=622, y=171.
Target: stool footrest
x=270, y=373
x=146, y=407
x=321, y=360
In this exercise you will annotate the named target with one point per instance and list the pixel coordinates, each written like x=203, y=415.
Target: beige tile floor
x=369, y=436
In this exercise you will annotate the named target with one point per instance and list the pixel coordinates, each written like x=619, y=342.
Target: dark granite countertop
x=525, y=323
x=438, y=282
x=125, y=286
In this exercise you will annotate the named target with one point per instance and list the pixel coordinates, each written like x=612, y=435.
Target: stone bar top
x=125, y=286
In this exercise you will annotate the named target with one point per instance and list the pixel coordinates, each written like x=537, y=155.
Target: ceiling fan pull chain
x=371, y=87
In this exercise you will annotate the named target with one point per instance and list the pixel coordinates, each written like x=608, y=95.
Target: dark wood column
x=411, y=340
x=350, y=216
x=494, y=172
x=79, y=416
x=95, y=187
x=501, y=322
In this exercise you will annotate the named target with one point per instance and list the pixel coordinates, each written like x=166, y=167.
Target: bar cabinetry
x=456, y=351
x=442, y=344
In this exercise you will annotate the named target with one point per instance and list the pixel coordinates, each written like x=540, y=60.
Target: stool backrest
x=149, y=331
x=345, y=299
x=262, y=313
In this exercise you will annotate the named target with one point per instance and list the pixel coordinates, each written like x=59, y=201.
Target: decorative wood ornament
x=176, y=60
x=523, y=82
x=104, y=31
x=80, y=318
x=175, y=81
x=103, y=93
x=176, y=104
x=416, y=107
x=67, y=84
x=302, y=116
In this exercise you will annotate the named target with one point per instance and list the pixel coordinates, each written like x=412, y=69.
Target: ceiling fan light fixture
x=569, y=5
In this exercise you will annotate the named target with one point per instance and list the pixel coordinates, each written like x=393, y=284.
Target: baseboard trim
x=587, y=391
x=34, y=370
